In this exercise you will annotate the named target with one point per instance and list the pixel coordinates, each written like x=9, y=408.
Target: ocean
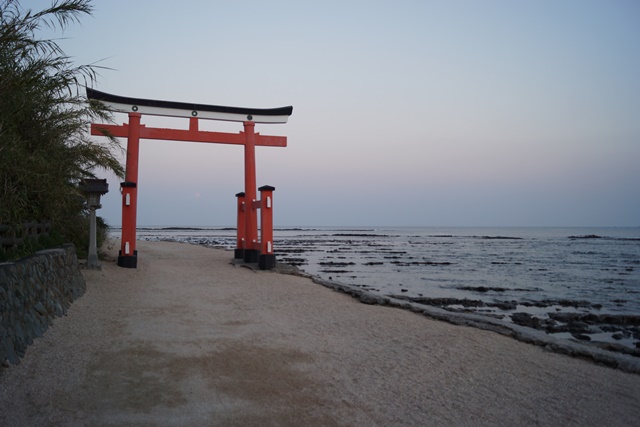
x=559, y=276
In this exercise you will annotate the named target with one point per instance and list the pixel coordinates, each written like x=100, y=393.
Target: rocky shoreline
x=581, y=326
x=612, y=332
x=520, y=325
x=593, y=323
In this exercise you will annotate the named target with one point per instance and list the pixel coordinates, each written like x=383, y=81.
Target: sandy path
x=188, y=339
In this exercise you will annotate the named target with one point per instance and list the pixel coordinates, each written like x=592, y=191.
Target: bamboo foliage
x=45, y=148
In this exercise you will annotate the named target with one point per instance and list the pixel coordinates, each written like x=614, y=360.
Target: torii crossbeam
x=134, y=131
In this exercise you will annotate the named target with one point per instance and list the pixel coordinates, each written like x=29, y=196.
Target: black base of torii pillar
x=128, y=261
x=248, y=248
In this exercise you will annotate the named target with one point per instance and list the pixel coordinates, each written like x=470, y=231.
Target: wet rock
x=564, y=317
x=442, y=302
x=592, y=318
x=367, y=298
x=525, y=319
x=554, y=328
x=504, y=305
x=574, y=304
x=481, y=289
x=582, y=337
x=358, y=235
x=408, y=264
x=578, y=327
x=563, y=303
x=294, y=261
x=336, y=264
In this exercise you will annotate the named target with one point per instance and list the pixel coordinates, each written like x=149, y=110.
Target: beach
x=187, y=338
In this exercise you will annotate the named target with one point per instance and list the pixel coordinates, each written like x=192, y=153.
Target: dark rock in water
x=564, y=317
x=562, y=303
x=614, y=319
x=581, y=337
x=443, y=302
x=481, y=288
x=358, y=235
x=575, y=323
x=588, y=236
x=618, y=336
x=408, y=264
x=496, y=289
x=296, y=262
x=336, y=264
x=540, y=304
x=554, y=328
x=404, y=290
x=574, y=304
x=504, y=305
x=578, y=327
x=525, y=319
x=619, y=348
x=367, y=298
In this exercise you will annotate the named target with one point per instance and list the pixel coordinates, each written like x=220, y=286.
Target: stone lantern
x=94, y=188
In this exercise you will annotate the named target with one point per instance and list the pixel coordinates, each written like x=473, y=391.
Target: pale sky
x=417, y=113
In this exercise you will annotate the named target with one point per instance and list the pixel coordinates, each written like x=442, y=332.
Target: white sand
x=188, y=339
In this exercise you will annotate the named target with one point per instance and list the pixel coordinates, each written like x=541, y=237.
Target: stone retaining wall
x=33, y=291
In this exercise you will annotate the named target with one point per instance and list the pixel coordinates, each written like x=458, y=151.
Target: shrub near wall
x=33, y=291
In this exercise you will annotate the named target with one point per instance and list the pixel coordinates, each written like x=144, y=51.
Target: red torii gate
x=247, y=248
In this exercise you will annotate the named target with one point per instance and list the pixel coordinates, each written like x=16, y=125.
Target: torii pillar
x=134, y=131
x=251, y=254
x=128, y=255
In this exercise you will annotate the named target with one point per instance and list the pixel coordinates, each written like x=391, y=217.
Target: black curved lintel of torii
x=126, y=104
